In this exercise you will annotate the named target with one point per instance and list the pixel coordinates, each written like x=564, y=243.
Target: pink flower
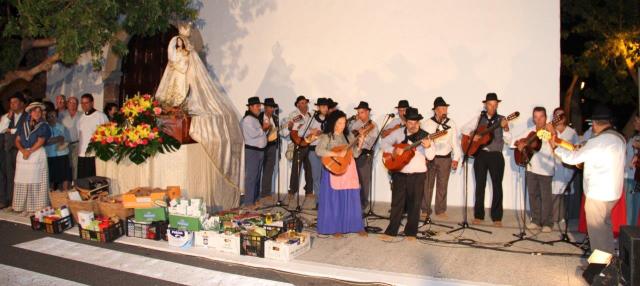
x=110, y=139
x=145, y=141
x=152, y=135
x=157, y=110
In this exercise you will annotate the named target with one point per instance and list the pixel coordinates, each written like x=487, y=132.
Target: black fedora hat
x=322, y=101
x=601, y=112
x=492, y=96
x=363, y=105
x=439, y=101
x=300, y=98
x=332, y=104
x=403, y=104
x=413, y=114
x=270, y=102
x=253, y=100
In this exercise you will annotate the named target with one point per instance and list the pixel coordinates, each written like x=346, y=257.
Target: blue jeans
x=633, y=202
x=253, y=167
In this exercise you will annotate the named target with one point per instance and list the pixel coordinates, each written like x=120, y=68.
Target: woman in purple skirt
x=339, y=210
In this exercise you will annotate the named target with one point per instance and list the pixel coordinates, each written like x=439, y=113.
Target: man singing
x=398, y=121
x=255, y=141
x=298, y=122
x=446, y=159
x=603, y=156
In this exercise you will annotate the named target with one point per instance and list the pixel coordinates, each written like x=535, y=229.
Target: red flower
x=103, y=142
x=160, y=140
x=155, y=129
x=145, y=141
x=156, y=103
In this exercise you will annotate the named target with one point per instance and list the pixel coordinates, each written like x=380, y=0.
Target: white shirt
x=470, y=126
x=394, y=122
x=418, y=163
x=603, y=157
x=562, y=175
x=300, y=123
x=371, y=136
x=70, y=124
x=542, y=162
x=5, y=121
x=315, y=125
x=86, y=126
x=252, y=132
x=448, y=143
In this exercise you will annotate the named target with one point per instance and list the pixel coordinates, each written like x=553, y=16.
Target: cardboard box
x=144, y=199
x=205, y=238
x=185, y=222
x=228, y=243
x=285, y=251
x=150, y=214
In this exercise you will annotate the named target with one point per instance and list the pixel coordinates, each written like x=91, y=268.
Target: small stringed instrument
x=388, y=131
x=486, y=135
x=395, y=162
x=545, y=135
x=357, y=132
x=533, y=143
x=338, y=165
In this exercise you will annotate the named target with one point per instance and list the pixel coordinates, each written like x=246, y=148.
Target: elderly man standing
x=68, y=118
x=86, y=126
x=603, y=156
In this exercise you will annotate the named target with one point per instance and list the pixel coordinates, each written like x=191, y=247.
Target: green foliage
x=610, y=31
x=85, y=25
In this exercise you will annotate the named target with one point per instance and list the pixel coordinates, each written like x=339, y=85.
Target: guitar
x=533, y=143
x=388, y=131
x=299, y=140
x=395, y=162
x=338, y=165
x=486, y=135
x=545, y=135
x=356, y=132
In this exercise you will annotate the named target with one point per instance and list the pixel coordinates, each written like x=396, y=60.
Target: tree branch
x=28, y=75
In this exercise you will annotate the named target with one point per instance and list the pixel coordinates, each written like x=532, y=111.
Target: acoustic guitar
x=395, y=162
x=486, y=135
x=388, y=131
x=533, y=143
x=338, y=165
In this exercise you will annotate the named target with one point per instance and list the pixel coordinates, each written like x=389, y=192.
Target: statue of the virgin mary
x=214, y=123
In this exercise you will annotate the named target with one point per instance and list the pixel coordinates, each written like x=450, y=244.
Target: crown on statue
x=184, y=29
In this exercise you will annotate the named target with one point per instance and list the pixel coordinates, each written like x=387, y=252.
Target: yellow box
x=134, y=200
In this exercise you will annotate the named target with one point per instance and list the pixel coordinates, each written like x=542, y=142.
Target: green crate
x=185, y=222
x=151, y=214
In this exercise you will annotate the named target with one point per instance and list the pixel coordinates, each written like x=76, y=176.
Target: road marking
x=10, y=275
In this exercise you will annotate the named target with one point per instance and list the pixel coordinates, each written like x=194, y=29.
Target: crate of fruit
x=156, y=230
x=52, y=224
x=104, y=230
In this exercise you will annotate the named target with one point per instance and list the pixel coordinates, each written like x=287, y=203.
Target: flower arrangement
x=135, y=134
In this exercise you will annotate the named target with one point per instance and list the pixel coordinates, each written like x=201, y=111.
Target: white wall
x=383, y=51
x=76, y=80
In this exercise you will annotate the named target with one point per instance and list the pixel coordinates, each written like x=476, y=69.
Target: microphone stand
x=522, y=235
x=371, y=214
x=465, y=161
x=278, y=151
x=296, y=152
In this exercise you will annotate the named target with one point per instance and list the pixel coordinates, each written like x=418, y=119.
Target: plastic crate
x=290, y=223
x=155, y=230
x=109, y=234
x=251, y=245
x=58, y=226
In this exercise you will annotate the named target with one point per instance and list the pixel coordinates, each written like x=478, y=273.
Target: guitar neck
x=418, y=142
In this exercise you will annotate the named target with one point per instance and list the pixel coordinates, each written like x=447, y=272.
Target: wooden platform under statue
x=177, y=126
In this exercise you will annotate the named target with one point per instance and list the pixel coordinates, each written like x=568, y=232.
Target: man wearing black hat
x=603, y=156
x=298, y=122
x=408, y=184
x=364, y=161
x=315, y=129
x=255, y=141
x=271, y=150
x=398, y=121
x=489, y=159
x=446, y=159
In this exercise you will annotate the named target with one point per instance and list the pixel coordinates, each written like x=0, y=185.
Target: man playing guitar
x=408, y=183
x=301, y=156
x=399, y=121
x=489, y=159
x=539, y=174
x=364, y=161
x=315, y=130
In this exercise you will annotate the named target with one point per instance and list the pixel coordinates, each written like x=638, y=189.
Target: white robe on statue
x=214, y=122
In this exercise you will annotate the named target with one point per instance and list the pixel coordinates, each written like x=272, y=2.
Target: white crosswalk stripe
x=10, y=275
x=136, y=264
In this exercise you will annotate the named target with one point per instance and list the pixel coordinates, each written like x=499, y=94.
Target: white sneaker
x=546, y=229
x=532, y=226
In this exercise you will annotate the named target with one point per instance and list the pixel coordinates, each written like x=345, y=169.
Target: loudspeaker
x=629, y=246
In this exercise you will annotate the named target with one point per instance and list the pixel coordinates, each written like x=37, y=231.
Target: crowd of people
x=43, y=148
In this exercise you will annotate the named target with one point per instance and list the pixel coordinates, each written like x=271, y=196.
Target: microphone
x=391, y=115
x=352, y=118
